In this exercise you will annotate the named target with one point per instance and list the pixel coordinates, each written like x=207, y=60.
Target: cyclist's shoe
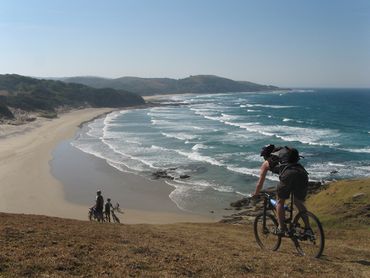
x=308, y=233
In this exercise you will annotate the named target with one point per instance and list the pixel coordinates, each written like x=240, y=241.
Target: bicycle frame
x=270, y=204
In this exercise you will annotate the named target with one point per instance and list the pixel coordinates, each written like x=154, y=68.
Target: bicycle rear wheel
x=266, y=235
x=115, y=219
x=309, y=234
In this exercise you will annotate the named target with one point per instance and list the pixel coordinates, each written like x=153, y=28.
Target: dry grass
x=343, y=204
x=39, y=246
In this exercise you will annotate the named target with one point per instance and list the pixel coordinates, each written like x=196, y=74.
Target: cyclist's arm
x=263, y=171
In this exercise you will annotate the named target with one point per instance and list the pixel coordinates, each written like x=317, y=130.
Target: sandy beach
x=28, y=186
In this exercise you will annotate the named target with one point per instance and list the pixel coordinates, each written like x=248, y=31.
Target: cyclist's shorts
x=293, y=180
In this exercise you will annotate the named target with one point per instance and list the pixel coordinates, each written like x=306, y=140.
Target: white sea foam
x=364, y=168
x=142, y=160
x=243, y=194
x=95, y=129
x=184, y=190
x=160, y=122
x=330, y=170
x=112, y=159
x=226, y=117
x=336, y=164
x=310, y=136
x=213, y=118
x=254, y=157
x=237, y=136
x=154, y=147
x=291, y=120
x=255, y=172
x=359, y=150
x=199, y=146
x=180, y=136
x=198, y=157
x=269, y=106
x=201, y=185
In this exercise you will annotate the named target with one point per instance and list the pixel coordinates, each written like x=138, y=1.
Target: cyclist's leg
x=283, y=193
x=300, y=192
x=302, y=208
x=299, y=204
x=281, y=214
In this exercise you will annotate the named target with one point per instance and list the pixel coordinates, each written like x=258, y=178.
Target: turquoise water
x=216, y=139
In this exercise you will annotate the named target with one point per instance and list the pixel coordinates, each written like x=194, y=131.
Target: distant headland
x=21, y=95
x=197, y=84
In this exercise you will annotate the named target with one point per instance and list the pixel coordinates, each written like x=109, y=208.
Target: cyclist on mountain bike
x=293, y=179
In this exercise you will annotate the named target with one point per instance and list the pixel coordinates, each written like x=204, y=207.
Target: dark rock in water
x=240, y=203
x=333, y=172
x=165, y=174
x=211, y=211
x=162, y=174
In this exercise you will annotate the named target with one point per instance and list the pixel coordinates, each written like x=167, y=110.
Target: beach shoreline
x=28, y=186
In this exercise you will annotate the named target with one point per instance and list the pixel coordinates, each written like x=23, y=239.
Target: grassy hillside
x=39, y=246
x=30, y=94
x=343, y=204
x=150, y=86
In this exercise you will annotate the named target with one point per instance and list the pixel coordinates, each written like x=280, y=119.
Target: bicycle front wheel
x=309, y=235
x=266, y=234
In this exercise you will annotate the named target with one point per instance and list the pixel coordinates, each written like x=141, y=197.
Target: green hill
x=151, y=86
x=31, y=94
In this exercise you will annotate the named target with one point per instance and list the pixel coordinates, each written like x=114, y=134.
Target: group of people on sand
x=103, y=211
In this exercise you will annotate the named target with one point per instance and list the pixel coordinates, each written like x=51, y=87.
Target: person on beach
x=293, y=179
x=107, y=208
x=99, y=205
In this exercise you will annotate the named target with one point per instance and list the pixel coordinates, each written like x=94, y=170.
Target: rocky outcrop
x=168, y=174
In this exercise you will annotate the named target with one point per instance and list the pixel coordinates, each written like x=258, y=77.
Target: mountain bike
x=305, y=229
x=114, y=217
x=93, y=215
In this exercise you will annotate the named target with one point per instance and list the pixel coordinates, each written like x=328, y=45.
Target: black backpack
x=283, y=158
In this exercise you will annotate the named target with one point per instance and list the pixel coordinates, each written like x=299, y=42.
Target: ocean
x=216, y=140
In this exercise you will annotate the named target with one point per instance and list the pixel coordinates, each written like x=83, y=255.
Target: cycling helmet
x=267, y=150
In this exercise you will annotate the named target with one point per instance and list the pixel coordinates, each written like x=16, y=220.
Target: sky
x=296, y=43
